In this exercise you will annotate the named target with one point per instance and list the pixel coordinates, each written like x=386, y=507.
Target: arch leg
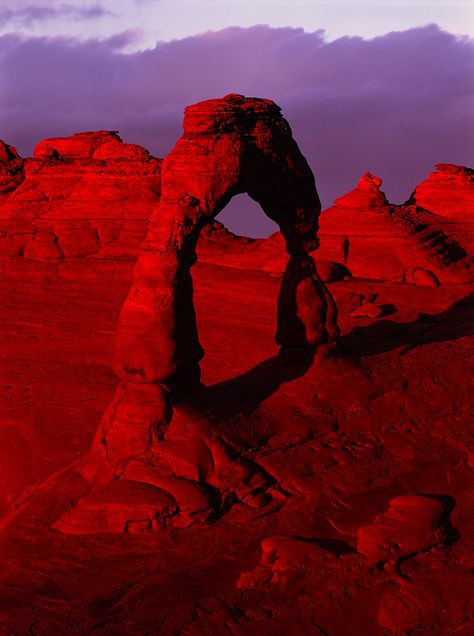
x=157, y=338
x=306, y=312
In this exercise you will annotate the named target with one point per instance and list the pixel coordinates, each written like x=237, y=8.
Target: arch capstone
x=229, y=146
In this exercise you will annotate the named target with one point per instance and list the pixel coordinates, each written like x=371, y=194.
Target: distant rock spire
x=367, y=194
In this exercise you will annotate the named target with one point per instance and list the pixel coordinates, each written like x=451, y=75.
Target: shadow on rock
x=449, y=503
x=383, y=336
x=244, y=393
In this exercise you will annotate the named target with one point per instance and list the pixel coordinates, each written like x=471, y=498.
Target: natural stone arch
x=158, y=416
x=229, y=146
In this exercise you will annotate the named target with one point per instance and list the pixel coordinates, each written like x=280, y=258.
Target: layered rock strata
x=80, y=207
x=377, y=240
x=88, y=196
x=365, y=236
x=448, y=191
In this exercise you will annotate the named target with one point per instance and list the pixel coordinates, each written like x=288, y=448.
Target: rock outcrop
x=365, y=196
x=229, y=145
x=80, y=209
x=85, y=196
x=11, y=170
x=336, y=485
x=377, y=240
x=364, y=235
x=411, y=524
x=449, y=192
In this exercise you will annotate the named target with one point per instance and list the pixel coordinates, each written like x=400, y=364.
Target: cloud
x=27, y=15
x=394, y=105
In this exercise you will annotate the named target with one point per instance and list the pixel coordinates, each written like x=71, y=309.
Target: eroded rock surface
x=368, y=237
x=411, y=524
x=327, y=445
x=85, y=196
x=229, y=145
x=448, y=191
x=11, y=170
x=375, y=239
x=82, y=204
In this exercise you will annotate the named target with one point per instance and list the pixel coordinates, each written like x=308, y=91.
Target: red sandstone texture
x=448, y=192
x=377, y=240
x=89, y=195
x=364, y=235
x=295, y=488
x=92, y=196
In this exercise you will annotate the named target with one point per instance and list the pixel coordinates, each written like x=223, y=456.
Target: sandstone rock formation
x=377, y=240
x=283, y=495
x=88, y=196
x=11, y=170
x=366, y=195
x=80, y=208
x=449, y=192
x=229, y=145
x=286, y=558
x=218, y=245
x=411, y=524
x=364, y=235
x=426, y=598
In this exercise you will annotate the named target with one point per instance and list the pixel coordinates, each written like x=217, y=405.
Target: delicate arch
x=229, y=146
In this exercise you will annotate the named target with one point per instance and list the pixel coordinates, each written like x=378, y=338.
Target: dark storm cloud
x=394, y=105
x=27, y=15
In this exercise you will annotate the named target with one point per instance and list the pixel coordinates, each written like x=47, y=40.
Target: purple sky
x=163, y=20
x=395, y=104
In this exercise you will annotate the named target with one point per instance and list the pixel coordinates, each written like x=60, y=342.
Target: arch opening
x=244, y=217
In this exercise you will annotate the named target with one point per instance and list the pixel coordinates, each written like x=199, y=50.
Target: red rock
x=7, y=153
x=305, y=450
x=422, y=277
x=449, y=192
x=238, y=153
x=78, y=239
x=411, y=524
x=158, y=350
x=81, y=195
x=11, y=169
x=366, y=195
x=441, y=594
x=120, y=506
x=194, y=501
x=367, y=236
x=91, y=190
x=377, y=240
x=330, y=272
x=79, y=146
x=218, y=245
x=340, y=437
x=286, y=558
x=137, y=413
x=307, y=314
x=43, y=245
x=370, y=310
